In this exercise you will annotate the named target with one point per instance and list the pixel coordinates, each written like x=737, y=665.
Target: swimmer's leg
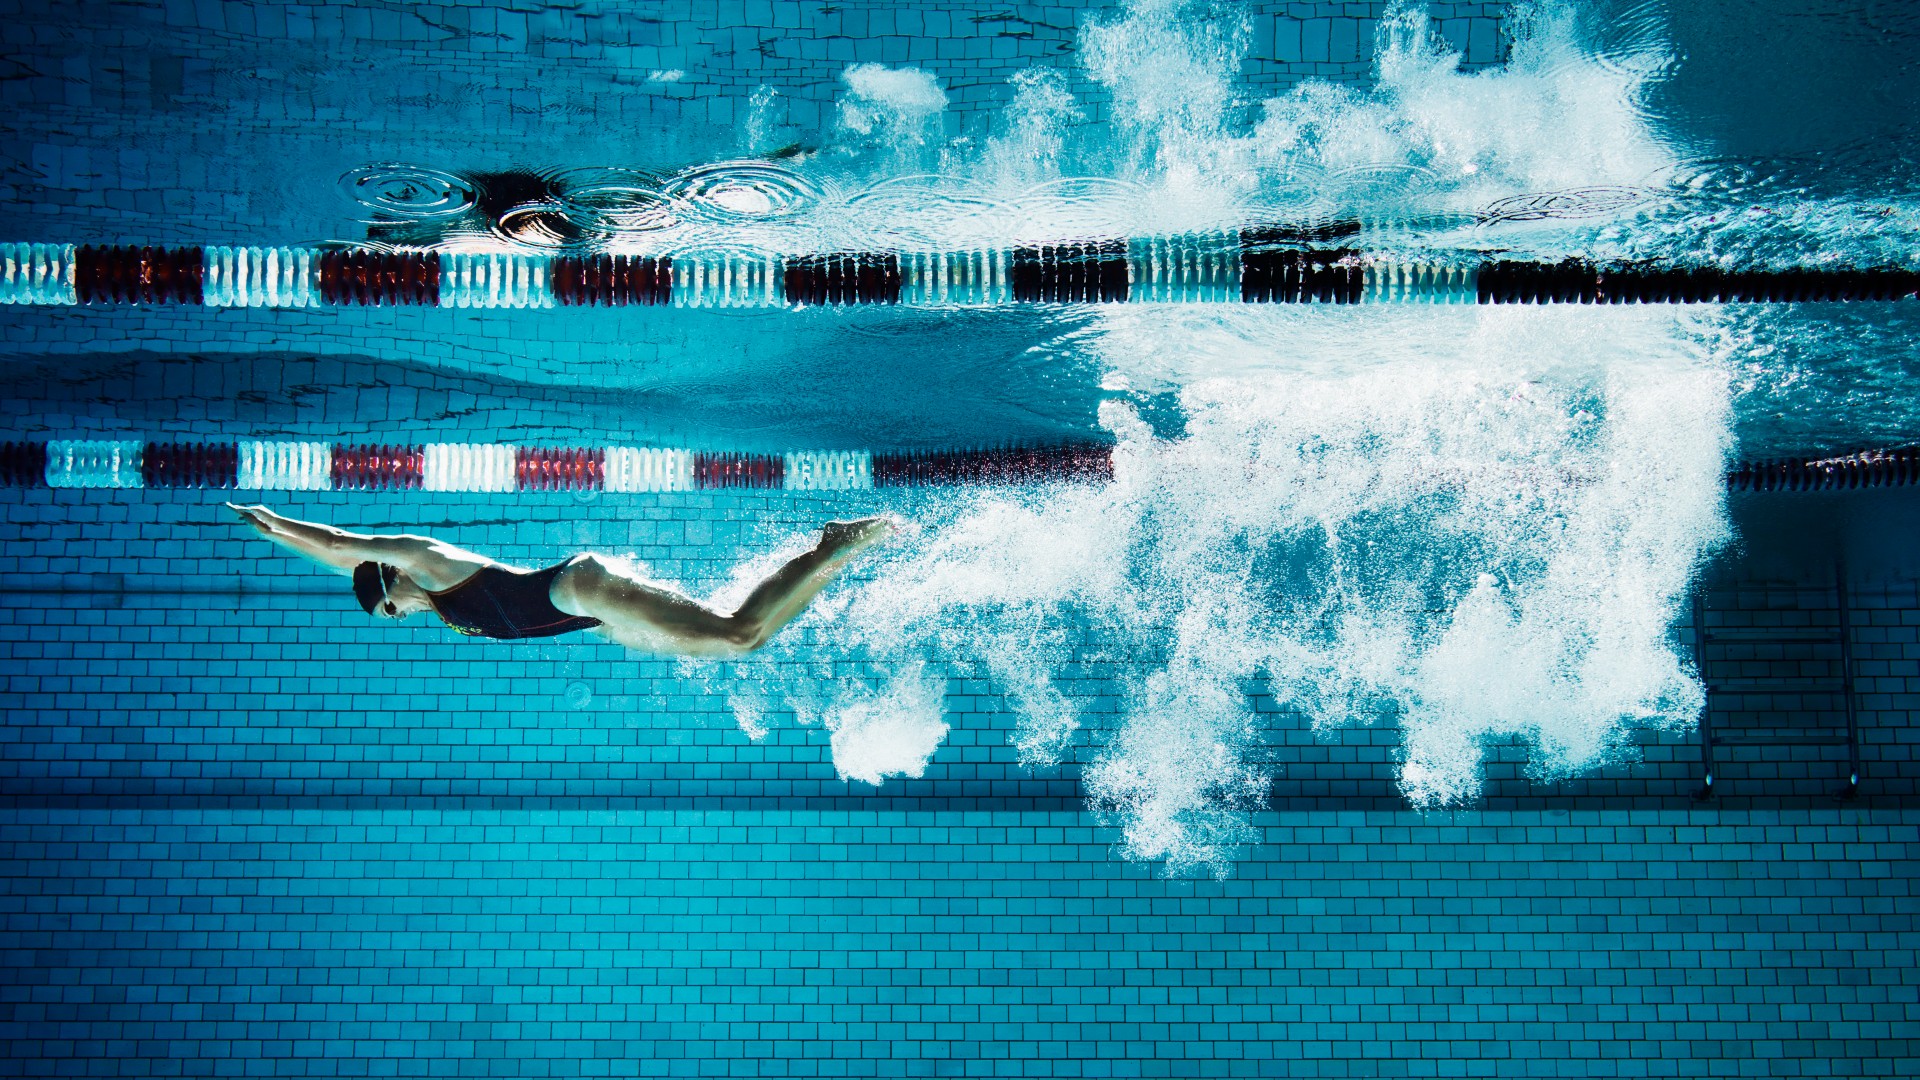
x=781, y=598
x=642, y=614
x=647, y=616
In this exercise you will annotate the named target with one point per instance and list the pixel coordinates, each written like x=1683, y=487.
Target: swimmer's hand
x=259, y=517
x=842, y=540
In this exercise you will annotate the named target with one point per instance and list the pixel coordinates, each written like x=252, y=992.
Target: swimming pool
x=1341, y=722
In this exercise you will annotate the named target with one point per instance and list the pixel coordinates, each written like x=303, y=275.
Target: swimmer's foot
x=842, y=540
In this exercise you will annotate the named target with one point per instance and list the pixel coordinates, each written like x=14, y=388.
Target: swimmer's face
x=403, y=599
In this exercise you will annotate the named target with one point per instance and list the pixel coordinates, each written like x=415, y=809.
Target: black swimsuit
x=502, y=603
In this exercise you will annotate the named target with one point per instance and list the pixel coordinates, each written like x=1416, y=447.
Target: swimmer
x=397, y=575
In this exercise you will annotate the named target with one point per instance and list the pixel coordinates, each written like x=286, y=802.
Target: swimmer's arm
x=428, y=561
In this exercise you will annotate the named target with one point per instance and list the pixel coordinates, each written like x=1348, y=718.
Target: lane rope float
x=1247, y=266
x=292, y=465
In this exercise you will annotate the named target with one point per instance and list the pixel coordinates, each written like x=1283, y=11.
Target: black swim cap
x=371, y=581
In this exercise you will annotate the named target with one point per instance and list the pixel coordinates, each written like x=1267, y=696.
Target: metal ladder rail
x=1841, y=637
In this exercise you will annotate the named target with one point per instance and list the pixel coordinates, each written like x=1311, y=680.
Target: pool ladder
x=1711, y=645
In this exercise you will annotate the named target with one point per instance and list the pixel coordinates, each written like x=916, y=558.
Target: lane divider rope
x=482, y=467
x=479, y=467
x=1253, y=266
x=1869, y=469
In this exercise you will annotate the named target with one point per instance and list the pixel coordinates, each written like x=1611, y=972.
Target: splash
x=1034, y=129
x=1183, y=148
x=892, y=731
x=897, y=107
x=1482, y=530
x=1170, y=67
x=1470, y=524
x=1553, y=117
x=1555, y=145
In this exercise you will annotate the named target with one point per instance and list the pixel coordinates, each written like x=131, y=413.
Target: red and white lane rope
x=253, y=465
x=489, y=467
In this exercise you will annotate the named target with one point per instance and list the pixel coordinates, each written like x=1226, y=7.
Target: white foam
x=889, y=732
x=896, y=106
x=1033, y=129
x=1553, y=117
x=1477, y=524
x=750, y=715
x=1184, y=151
x=1171, y=68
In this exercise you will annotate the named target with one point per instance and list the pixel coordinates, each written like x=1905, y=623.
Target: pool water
x=1351, y=729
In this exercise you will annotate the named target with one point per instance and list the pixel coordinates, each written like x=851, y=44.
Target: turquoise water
x=1349, y=731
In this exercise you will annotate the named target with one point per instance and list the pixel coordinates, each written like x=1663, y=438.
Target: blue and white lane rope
x=1247, y=266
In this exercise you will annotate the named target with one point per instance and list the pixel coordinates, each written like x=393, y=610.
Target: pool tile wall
x=750, y=942
x=257, y=835
x=143, y=669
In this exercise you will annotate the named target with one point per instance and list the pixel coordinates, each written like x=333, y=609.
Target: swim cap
x=371, y=581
